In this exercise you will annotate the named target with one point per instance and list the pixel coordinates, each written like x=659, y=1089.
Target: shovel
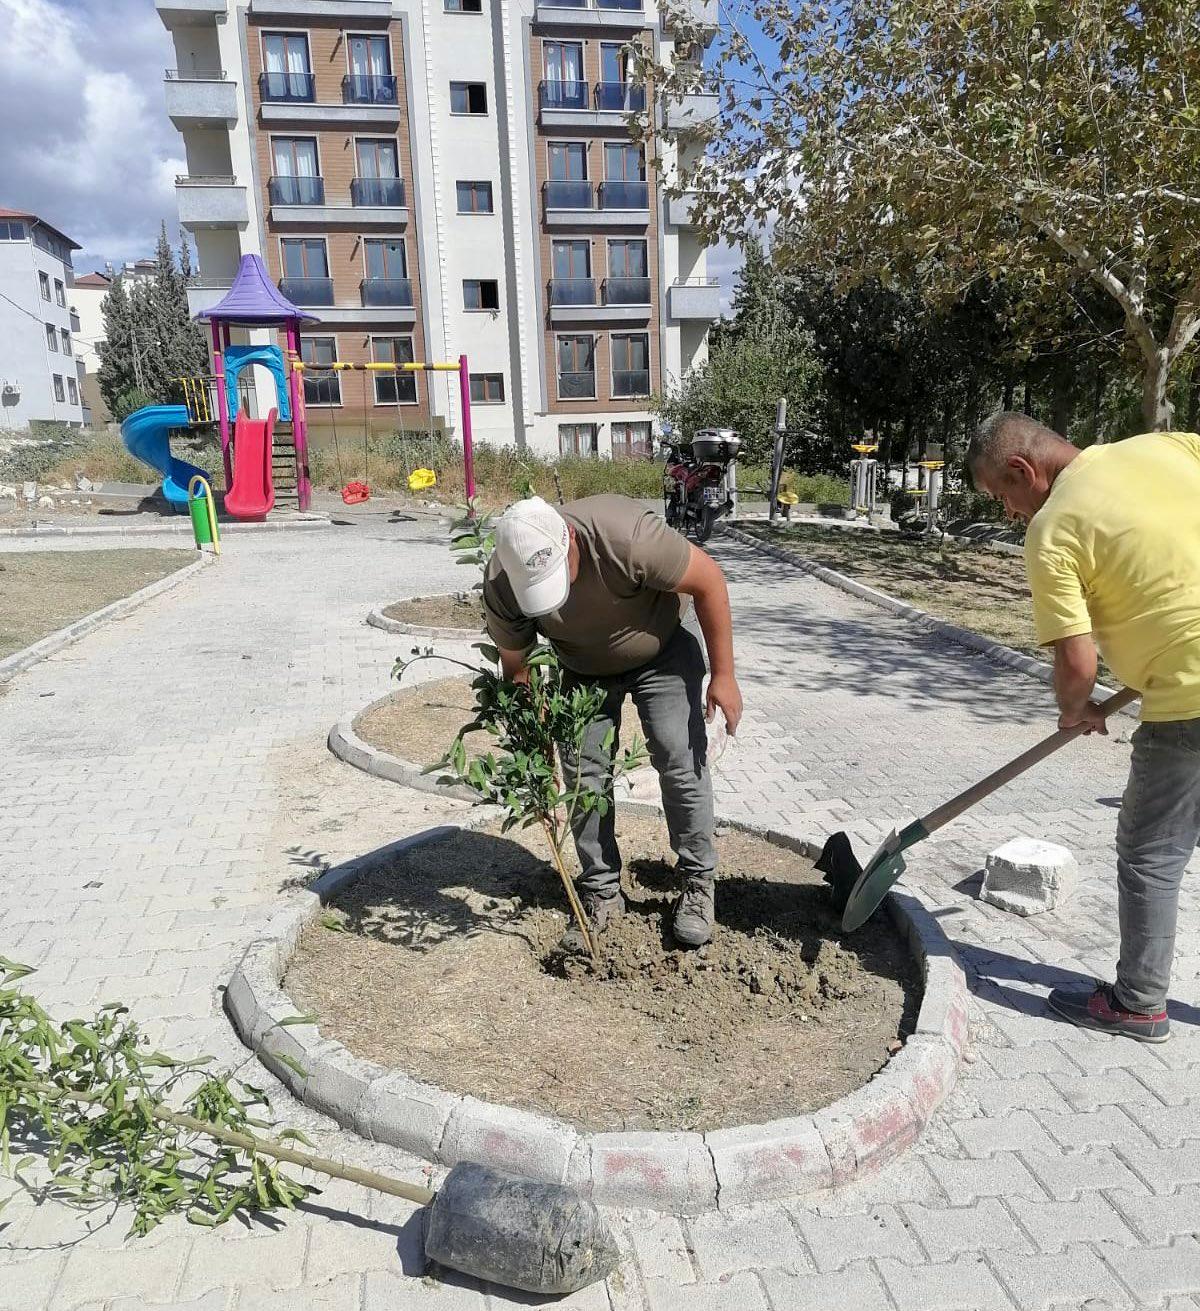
x=857, y=891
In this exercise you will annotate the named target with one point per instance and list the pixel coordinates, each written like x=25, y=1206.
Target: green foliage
x=90, y=1097
x=473, y=539
x=534, y=775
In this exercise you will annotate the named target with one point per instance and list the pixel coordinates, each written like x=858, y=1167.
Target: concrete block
x=1027, y=876
x=403, y=1112
x=924, y=1070
x=338, y=1082
x=865, y=1130
x=521, y=1142
x=759, y=1162
x=661, y=1171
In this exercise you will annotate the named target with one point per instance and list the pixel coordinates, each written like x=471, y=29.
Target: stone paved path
x=164, y=782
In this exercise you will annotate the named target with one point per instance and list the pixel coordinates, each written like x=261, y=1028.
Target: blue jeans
x=1157, y=833
x=669, y=696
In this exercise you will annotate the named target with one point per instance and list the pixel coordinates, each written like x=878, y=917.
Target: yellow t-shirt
x=1115, y=551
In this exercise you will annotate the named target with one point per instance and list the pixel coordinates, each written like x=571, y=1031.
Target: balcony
x=211, y=202
x=573, y=204
x=577, y=386
x=376, y=10
x=624, y=195
x=695, y=298
x=369, y=89
x=294, y=191
x=204, y=292
x=680, y=209
x=572, y=291
x=692, y=113
x=287, y=88
x=625, y=292
x=622, y=15
x=378, y=193
x=308, y=292
x=189, y=13
x=575, y=104
x=701, y=14
x=375, y=203
x=383, y=302
x=556, y=94
x=622, y=300
x=200, y=99
x=627, y=383
x=394, y=292
x=620, y=97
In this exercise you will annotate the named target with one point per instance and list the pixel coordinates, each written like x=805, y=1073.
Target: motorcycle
x=696, y=482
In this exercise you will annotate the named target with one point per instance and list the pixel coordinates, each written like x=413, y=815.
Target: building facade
x=41, y=375
x=444, y=177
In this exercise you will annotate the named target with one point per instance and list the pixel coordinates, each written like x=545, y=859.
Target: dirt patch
x=43, y=591
x=445, y=966
x=463, y=610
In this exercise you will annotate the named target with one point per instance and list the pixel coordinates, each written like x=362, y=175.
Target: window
x=386, y=257
x=72, y=391
x=323, y=389
x=287, y=71
x=10, y=231
x=44, y=283
x=464, y=6
x=297, y=179
x=630, y=364
x=568, y=161
x=564, y=87
x=370, y=81
x=487, y=389
x=51, y=338
x=474, y=197
x=60, y=293
x=394, y=388
x=632, y=441
x=468, y=97
x=627, y=259
x=577, y=439
x=576, y=368
x=59, y=394
x=66, y=341
x=617, y=90
x=377, y=158
x=623, y=162
x=571, y=273
x=304, y=257
x=481, y=294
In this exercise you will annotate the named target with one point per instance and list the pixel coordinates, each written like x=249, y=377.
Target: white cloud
x=724, y=262
x=86, y=143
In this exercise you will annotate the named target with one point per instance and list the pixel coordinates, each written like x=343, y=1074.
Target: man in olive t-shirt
x=602, y=580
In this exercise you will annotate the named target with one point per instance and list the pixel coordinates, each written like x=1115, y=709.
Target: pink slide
x=253, y=493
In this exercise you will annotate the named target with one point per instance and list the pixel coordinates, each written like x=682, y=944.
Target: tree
x=945, y=143
x=120, y=373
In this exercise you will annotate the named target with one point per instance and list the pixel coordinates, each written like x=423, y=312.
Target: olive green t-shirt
x=621, y=610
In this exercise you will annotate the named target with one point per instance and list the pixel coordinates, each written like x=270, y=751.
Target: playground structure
x=863, y=480
x=253, y=449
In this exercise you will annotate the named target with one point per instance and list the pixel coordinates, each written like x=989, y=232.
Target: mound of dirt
x=462, y=610
x=446, y=966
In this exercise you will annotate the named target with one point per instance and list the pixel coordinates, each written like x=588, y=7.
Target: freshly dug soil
x=446, y=966
x=463, y=610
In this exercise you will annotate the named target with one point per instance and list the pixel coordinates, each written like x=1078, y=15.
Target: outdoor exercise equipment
x=863, y=479
x=203, y=510
x=251, y=495
x=146, y=434
x=857, y=890
x=933, y=491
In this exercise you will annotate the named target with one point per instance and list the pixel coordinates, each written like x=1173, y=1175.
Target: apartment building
x=439, y=177
x=40, y=373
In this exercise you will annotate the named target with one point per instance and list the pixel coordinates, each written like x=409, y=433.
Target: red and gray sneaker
x=1101, y=1010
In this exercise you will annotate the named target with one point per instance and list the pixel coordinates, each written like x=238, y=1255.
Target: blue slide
x=145, y=436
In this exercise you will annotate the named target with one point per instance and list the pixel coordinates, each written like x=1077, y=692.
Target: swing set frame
x=415, y=366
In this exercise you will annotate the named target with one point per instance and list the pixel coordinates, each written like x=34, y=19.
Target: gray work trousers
x=669, y=696
x=1157, y=833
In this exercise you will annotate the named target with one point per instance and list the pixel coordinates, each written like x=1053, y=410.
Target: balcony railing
x=556, y=93
x=568, y=195
x=377, y=193
x=195, y=75
x=573, y=291
x=287, y=88
x=308, y=291
x=577, y=386
x=378, y=292
x=297, y=191
x=627, y=291
x=624, y=195
x=369, y=89
x=620, y=97
x=628, y=6
x=631, y=382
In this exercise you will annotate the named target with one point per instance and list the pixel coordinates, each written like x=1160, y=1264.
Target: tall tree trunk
x=1193, y=416
x=1062, y=402
x=1098, y=396
x=1028, y=403
x=1009, y=388
x=1156, y=408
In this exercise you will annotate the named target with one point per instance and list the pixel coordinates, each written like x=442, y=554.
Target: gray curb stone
x=377, y=619
x=54, y=642
x=345, y=743
x=183, y=529
x=995, y=651
x=676, y=1173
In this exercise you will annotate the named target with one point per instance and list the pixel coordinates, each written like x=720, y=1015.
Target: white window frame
x=287, y=31
x=272, y=137
x=52, y=338
x=558, y=336
x=65, y=342
x=60, y=391
x=60, y=293
x=585, y=423
x=72, y=391
x=391, y=58
x=44, y=285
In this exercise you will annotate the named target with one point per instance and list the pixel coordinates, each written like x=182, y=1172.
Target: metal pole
x=299, y=418
x=464, y=390
x=222, y=402
x=777, y=457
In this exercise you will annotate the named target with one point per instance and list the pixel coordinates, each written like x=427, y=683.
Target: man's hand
x=723, y=691
x=1090, y=716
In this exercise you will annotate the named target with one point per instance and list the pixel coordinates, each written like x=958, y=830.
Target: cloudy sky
x=86, y=142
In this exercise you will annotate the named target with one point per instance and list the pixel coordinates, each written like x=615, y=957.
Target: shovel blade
x=873, y=884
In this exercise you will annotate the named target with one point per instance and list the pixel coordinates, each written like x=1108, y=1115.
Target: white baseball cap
x=533, y=544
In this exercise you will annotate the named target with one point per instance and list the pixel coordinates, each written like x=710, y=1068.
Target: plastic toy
x=146, y=434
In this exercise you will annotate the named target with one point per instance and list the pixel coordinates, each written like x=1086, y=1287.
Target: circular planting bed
x=766, y=1064
x=458, y=614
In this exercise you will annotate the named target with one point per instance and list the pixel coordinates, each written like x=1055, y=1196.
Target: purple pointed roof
x=255, y=300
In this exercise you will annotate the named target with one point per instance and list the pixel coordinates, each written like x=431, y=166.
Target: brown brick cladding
x=329, y=58
x=591, y=39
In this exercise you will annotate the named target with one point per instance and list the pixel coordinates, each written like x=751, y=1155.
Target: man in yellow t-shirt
x=1113, y=556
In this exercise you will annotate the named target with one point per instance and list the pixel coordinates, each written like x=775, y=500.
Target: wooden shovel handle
x=1006, y=773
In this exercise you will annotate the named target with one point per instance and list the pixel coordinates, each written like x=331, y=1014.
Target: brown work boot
x=600, y=911
x=694, y=913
